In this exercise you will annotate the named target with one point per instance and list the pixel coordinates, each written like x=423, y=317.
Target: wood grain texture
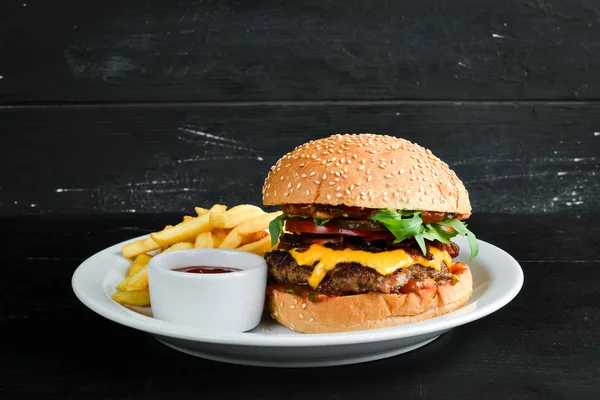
x=543, y=345
x=154, y=159
x=142, y=50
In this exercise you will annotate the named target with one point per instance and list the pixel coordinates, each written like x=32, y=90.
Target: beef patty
x=353, y=278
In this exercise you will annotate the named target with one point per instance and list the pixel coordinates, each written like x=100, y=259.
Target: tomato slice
x=308, y=226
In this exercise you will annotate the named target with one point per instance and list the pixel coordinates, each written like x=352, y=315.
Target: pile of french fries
x=242, y=227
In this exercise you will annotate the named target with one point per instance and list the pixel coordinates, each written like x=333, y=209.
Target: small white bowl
x=215, y=302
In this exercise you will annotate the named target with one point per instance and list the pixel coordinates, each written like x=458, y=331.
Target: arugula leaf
x=402, y=228
x=405, y=224
x=461, y=229
x=320, y=222
x=275, y=228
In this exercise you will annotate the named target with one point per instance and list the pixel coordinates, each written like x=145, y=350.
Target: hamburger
x=364, y=240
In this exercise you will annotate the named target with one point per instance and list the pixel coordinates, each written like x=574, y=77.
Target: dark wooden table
x=119, y=117
x=544, y=344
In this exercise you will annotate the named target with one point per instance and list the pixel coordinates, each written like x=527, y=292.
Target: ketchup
x=199, y=269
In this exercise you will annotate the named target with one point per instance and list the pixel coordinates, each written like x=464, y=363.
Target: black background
x=119, y=117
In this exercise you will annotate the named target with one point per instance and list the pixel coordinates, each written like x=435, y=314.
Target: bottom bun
x=369, y=310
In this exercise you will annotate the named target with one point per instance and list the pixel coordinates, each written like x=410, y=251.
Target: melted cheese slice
x=385, y=263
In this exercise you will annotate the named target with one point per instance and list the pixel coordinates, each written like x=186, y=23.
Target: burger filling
x=354, y=277
x=350, y=250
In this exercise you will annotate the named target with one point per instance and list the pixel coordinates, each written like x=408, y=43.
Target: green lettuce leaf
x=461, y=229
x=276, y=227
x=405, y=224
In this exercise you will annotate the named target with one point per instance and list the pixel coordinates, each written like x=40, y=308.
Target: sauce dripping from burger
x=200, y=269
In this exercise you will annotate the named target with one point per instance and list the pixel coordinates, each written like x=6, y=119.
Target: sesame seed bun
x=367, y=311
x=366, y=170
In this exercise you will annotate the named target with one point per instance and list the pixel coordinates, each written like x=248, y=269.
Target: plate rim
x=115, y=312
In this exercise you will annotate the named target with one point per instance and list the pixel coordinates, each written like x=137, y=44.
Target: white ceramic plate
x=497, y=278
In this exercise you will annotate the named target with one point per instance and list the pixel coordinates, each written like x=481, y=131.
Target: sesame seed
x=331, y=183
x=360, y=168
x=386, y=198
x=388, y=176
x=404, y=199
x=422, y=198
x=412, y=178
x=324, y=176
x=289, y=185
x=298, y=186
x=347, y=191
x=369, y=178
x=281, y=178
x=311, y=320
x=328, y=197
x=303, y=305
x=312, y=173
x=317, y=182
x=281, y=304
x=303, y=175
x=301, y=315
x=337, y=189
x=292, y=306
x=338, y=195
x=307, y=193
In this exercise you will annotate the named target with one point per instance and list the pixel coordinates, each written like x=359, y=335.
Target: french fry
x=180, y=246
x=216, y=240
x=140, y=298
x=201, y=211
x=259, y=247
x=183, y=231
x=204, y=240
x=253, y=237
x=140, y=262
x=235, y=237
x=138, y=247
x=220, y=233
x=137, y=281
x=218, y=208
x=187, y=217
x=235, y=216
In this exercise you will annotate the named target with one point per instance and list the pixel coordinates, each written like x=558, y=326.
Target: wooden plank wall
x=157, y=106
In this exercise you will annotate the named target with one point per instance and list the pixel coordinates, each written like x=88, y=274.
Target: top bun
x=366, y=170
